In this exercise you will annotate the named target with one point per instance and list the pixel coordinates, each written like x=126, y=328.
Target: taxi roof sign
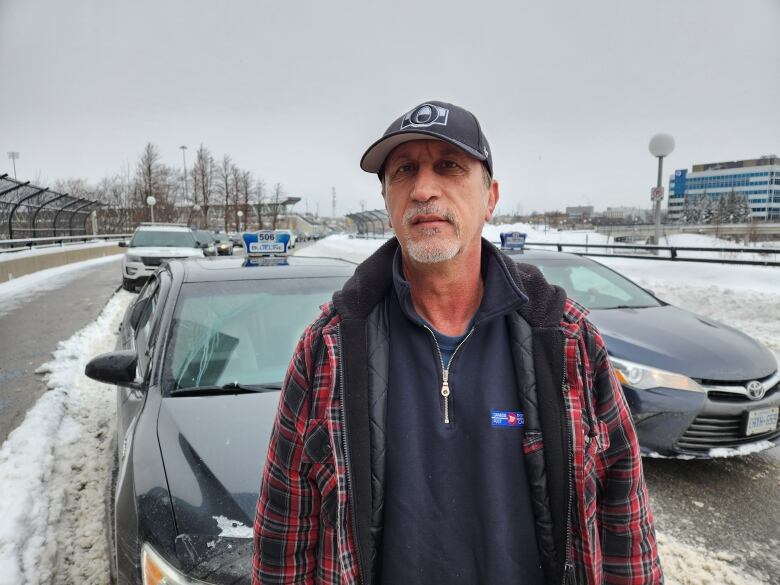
x=513, y=240
x=265, y=243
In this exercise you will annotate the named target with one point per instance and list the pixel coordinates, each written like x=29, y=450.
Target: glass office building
x=757, y=179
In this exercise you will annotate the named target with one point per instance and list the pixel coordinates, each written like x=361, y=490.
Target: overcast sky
x=568, y=93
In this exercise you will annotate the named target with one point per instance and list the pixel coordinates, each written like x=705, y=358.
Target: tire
x=128, y=284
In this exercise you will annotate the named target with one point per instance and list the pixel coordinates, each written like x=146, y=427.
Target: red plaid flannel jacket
x=304, y=531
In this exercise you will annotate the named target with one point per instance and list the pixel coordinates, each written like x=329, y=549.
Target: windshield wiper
x=229, y=388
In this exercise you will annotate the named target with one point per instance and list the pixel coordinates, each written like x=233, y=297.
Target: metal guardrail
x=673, y=252
x=19, y=244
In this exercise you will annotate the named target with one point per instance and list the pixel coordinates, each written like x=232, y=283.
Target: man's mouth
x=428, y=219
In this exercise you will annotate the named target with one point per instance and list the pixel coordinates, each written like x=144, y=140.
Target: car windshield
x=592, y=284
x=162, y=238
x=203, y=237
x=240, y=332
x=221, y=238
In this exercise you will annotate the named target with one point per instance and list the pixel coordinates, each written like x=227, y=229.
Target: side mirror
x=122, y=244
x=116, y=367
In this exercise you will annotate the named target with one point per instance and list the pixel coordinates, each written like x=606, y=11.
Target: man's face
x=437, y=199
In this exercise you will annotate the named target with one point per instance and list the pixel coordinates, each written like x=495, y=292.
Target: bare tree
x=224, y=186
x=260, y=200
x=237, y=178
x=277, y=196
x=203, y=180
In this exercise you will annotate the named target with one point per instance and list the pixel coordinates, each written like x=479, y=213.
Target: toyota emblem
x=755, y=390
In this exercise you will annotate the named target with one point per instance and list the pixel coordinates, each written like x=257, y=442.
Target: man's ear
x=492, y=200
x=384, y=198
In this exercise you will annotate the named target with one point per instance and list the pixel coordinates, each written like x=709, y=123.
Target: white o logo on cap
x=423, y=115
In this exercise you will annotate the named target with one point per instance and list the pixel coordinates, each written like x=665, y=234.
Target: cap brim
x=377, y=153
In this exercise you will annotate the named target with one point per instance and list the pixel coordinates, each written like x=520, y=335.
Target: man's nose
x=426, y=184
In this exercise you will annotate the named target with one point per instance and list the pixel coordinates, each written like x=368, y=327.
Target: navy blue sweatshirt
x=457, y=504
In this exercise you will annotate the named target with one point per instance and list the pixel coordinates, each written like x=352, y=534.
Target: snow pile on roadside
x=342, y=246
x=24, y=289
x=55, y=467
x=686, y=564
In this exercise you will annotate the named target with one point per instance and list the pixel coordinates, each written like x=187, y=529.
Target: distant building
x=758, y=179
x=579, y=213
x=622, y=214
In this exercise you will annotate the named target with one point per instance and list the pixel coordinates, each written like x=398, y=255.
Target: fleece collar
x=373, y=279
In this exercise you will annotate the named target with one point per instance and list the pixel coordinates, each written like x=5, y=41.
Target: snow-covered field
x=54, y=468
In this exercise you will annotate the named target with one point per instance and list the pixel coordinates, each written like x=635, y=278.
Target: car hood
x=213, y=450
x=165, y=252
x=677, y=340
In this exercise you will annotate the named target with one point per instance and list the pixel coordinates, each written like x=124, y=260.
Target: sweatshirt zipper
x=345, y=446
x=568, y=567
x=445, y=371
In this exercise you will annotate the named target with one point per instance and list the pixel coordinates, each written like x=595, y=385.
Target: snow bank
x=342, y=246
x=23, y=289
x=686, y=564
x=55, y=467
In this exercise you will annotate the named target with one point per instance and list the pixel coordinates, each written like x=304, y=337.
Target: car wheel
x=128, y=284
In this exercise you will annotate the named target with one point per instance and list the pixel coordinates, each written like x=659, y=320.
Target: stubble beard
x=431, y=246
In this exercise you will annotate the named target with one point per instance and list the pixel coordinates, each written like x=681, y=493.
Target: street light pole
x=184, y=161
x=150, y=201
x=13, y=156
x=661, y=145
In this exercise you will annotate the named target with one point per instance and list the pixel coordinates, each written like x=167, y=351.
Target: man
x=450, y=417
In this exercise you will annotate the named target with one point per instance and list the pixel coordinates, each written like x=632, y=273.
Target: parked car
x=206, y=241
x=695, y=387
x=290, y=233
x=201, y=357
x=224, y=244
x=151, y=245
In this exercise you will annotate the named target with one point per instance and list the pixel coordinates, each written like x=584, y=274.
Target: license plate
x=763, y=420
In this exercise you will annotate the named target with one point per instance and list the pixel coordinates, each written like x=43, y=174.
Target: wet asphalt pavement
x=30, y=331
x=730, y=505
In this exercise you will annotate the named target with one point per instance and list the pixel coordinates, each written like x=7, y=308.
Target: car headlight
x=133, y=258
x=644, y=377
x=156, y=571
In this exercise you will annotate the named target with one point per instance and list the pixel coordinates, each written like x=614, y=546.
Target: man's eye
x=448, y=164
x=404, y=168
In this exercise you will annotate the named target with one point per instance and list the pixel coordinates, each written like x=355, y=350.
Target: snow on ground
x=25, y=288
x=55, y=468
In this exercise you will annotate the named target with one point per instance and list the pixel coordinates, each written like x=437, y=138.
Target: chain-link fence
x=29, y=211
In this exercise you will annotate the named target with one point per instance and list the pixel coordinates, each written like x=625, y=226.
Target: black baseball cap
x=432, y=119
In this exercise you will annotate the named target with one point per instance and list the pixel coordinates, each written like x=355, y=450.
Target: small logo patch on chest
x=503, y=418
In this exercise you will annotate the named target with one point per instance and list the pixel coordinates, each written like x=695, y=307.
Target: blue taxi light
x=265, y=243
x=512, y=240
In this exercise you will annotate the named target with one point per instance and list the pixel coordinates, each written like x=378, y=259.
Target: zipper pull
x=569, y=577
x=445, y=392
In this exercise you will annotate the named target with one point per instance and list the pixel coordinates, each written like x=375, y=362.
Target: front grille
x=151, y=261
x=723, y=395
x=710, y=431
